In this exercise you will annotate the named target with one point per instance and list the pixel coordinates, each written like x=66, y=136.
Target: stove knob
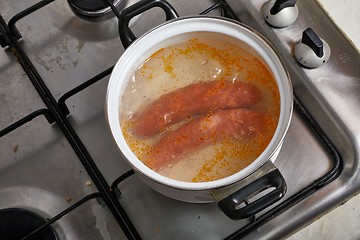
x=280, y=13
x=312, y=51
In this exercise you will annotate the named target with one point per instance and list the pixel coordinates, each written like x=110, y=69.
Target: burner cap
x=17, y=222
x=92, y=10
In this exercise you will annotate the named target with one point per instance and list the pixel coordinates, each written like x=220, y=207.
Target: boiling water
x=189, y=62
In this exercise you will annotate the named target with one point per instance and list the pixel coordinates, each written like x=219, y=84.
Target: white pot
x=179, y=30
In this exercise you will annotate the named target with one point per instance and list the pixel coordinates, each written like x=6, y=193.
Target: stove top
x=59, y=162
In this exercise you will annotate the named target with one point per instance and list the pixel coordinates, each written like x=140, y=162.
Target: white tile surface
x=346, y=14
x=344, y=222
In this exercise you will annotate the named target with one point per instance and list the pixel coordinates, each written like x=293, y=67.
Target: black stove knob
x=280, y=5
x=311, y=51
x=280, y=13
x=310, y=38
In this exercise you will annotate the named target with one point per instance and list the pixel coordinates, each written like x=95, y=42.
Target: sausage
x=196, y=98
x=238, y=124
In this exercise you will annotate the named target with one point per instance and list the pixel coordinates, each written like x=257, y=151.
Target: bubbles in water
x=167, y=118
x=129, y=114
x=216, y=72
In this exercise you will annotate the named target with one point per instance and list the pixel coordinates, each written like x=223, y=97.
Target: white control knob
x=311, y=51
x=280, y=13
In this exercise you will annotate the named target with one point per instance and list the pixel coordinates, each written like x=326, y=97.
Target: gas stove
x=61, y=176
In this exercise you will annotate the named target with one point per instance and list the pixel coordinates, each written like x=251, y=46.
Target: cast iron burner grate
x=17, y=222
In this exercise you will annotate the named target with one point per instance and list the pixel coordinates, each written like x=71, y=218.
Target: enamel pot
x=242, y=194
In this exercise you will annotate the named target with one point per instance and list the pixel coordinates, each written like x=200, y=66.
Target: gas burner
x=17, y=222
x=93, y=10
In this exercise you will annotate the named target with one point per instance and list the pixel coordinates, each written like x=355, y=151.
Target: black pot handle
x=270, y=177
x=126, y=35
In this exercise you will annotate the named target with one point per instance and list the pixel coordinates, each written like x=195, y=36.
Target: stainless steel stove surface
x=69, y=171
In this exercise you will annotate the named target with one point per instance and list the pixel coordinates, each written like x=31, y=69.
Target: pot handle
x=231, y=198
x=126, y=35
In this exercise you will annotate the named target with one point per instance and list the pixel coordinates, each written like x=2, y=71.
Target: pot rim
x=134, y=56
